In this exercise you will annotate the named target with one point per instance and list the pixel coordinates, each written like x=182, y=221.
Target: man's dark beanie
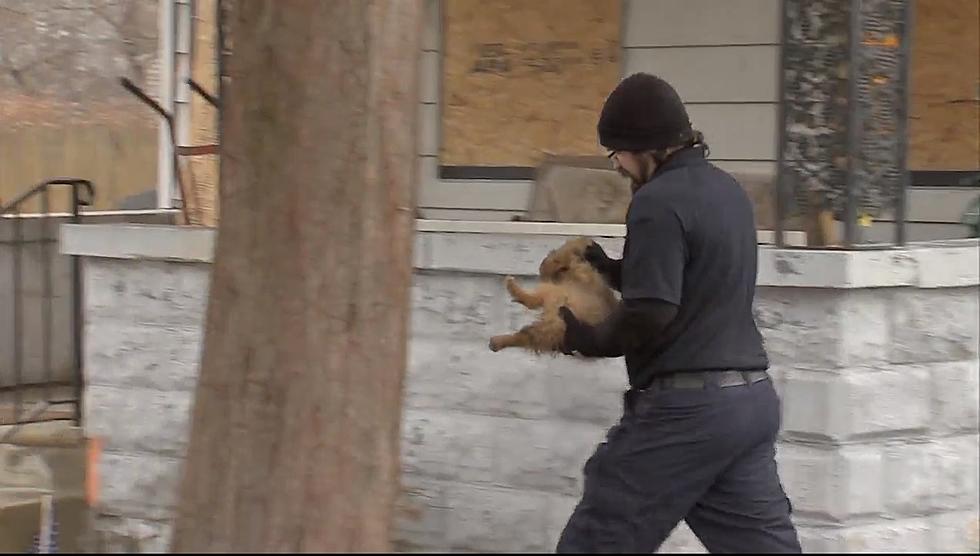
x=643, y=113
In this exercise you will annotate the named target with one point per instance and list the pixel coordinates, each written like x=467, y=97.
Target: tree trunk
x=295, y=431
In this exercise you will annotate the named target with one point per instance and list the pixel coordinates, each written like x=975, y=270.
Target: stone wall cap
x=518, y=247
x=563, y=229
x=139, y=241
x=937, y=264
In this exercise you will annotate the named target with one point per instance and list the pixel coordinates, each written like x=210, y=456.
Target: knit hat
x=643, y=113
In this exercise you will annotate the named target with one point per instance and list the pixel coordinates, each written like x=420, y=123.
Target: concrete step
x=56, y=434
x=30, y=396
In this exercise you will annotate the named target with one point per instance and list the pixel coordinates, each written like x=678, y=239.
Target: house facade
x=478, y=150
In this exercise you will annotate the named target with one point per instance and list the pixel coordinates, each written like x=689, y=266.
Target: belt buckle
x=689, y=381
x=732, y=377
x=741, y=378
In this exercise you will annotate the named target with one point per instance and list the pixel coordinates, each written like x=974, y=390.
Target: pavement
x=40, y=459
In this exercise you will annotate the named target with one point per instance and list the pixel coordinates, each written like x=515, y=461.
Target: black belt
x=696, y=381
x=699, y=380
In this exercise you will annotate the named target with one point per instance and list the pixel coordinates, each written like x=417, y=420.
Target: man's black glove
x=609, y=268
x=578, y=335
x=588, y=340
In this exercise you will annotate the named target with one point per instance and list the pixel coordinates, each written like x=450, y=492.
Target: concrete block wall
x=879, y=379
x=879, y=445
x=875, y=354
x=144, y=321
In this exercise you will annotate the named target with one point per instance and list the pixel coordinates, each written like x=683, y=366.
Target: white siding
x=738, y=131
x=430, y=81
x=700, y=22
x=711, y=73
x=429, y=132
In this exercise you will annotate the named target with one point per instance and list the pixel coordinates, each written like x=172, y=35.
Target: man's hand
x=578, y=335
x=596, y=256
x=609, y=268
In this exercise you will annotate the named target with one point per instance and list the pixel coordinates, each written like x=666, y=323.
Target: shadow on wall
x=141, y=201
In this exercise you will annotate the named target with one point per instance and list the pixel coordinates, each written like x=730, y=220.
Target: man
x=697, y=437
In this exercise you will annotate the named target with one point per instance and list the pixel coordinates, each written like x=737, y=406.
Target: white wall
x=876, y=365
x=722, y=56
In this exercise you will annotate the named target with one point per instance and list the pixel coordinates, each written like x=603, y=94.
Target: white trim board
x=765, y=237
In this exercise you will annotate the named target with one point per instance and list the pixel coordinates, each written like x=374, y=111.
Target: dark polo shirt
x=691, y=241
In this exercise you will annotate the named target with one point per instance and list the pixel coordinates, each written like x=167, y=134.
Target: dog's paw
x=512, y=287
x=495, y=344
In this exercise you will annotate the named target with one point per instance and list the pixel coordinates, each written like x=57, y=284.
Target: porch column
x=844, y=74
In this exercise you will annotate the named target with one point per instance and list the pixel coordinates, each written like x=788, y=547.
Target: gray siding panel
x=701, y=22
x=713, y=74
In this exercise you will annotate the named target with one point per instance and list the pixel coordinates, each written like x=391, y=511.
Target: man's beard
x=635, y=182
x=638, y=181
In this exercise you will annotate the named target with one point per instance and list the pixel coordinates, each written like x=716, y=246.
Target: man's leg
x=649, y=472
x=746, y=509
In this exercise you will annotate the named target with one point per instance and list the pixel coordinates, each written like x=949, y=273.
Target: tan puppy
x=566, y=278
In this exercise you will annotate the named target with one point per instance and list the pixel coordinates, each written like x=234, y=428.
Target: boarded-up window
x=524, y=78
x=944, y=127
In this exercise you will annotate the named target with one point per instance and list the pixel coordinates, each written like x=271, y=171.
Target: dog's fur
x=566, y=278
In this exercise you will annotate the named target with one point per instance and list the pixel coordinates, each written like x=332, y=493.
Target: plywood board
x=944, y=126
x=204, y=117
x=524, y=78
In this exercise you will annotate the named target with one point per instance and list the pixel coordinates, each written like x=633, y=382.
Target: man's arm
x=651, y=280
x=657, y=254
x=632, y=325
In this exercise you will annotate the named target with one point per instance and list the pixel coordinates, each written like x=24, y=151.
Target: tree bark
x=295, y=429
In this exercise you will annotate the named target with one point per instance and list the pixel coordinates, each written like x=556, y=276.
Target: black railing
x=843, y=129
x=44, y=393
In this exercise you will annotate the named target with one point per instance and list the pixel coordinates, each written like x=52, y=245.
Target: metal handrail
x=75, y=183
x=82, y=194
